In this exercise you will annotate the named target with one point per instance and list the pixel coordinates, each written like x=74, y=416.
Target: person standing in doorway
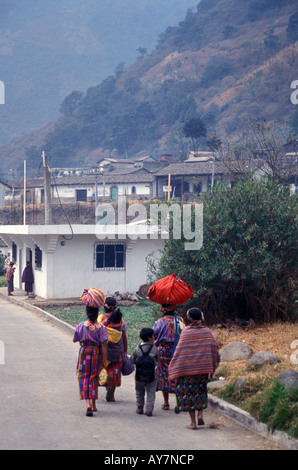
x=28, y=278
x=10, y=277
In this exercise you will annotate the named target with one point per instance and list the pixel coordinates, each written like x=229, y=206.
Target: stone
x=216, y=384
x=288, y=378
x=240, y=382
x=235, y=350
x=263, y=357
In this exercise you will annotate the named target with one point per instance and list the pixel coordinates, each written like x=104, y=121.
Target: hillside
x=228, y=60
x=49, y=48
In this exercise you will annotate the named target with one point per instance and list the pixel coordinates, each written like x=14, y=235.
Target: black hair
x=115, y=317
x=110, y=304
x=195, y=313
x=146, y=333
x=171, y=311
x=92, y=313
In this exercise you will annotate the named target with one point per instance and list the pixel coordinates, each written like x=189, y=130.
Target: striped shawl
x=196, y=353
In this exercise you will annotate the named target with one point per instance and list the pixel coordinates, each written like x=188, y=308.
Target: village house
x=67, y=259
x=188, y=178
x=136, y=183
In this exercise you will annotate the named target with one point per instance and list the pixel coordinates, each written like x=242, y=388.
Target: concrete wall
x=68, y=266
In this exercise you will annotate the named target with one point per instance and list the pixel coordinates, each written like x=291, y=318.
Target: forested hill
x=228, y=60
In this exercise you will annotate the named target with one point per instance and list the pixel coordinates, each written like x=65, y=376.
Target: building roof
x=88, y=180
x=191, y=168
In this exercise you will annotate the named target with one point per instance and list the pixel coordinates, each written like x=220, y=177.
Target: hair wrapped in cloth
x=93, y=297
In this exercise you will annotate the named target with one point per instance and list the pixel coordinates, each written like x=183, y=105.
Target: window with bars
x=110, y=256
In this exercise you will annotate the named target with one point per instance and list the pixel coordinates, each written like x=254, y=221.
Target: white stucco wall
x=68, y=265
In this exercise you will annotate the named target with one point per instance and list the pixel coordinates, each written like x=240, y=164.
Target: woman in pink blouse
x=93, y=339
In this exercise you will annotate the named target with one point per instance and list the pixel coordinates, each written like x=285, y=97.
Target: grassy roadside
x=136, y=318
x=261, y=395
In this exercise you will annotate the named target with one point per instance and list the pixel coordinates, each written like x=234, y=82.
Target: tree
x=292, y=29
x=247, y=264
x=260, y=148
x=194, y=129
x=142, y=51
x=71, y=102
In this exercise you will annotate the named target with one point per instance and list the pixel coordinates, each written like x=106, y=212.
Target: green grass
x=3, y=281
x=136, y=317
x=267, y=401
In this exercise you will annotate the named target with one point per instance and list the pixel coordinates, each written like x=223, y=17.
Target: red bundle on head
x=170, y=290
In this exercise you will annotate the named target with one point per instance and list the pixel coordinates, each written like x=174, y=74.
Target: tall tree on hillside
x=194, y=129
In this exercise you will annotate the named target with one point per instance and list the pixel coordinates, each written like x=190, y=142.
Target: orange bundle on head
x=170, y=290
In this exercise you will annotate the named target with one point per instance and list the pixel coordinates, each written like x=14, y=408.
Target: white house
x=136, y=182
x=67, y=259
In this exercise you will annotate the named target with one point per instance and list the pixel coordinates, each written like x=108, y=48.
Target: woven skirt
x=165, y=353
x=191, y=393
x=87, y=372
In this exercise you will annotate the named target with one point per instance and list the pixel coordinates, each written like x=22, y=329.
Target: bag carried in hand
x=170, y=290
x=127, y=367
x=145, y=366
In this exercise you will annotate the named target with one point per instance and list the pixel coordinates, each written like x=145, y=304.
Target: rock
x=216, y=384
x=288, y=378
x=235, y=350
x=143, y=290
x=263, y=357
x=134, y=298
x=240, y=382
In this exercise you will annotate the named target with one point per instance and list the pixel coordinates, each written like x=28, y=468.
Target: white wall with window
x=64, y=265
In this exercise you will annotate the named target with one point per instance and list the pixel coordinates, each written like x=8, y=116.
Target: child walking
x=144, y=357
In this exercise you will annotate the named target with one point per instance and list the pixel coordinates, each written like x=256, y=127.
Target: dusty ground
x=276, y=338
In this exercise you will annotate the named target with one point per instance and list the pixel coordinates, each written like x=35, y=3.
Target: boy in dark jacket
x=144, y=357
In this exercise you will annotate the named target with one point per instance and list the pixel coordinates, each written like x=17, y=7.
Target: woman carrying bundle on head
x=117, y=345
x=93, y=339
x=195, y=357
x=167, y=331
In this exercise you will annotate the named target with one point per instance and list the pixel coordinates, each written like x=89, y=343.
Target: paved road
x=40, y=408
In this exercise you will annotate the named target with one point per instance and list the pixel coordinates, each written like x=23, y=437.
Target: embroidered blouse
x=91, y=332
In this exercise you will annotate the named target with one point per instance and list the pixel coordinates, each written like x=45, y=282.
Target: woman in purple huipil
x=93, y=339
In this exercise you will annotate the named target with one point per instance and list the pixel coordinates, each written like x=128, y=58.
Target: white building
x=67, y=260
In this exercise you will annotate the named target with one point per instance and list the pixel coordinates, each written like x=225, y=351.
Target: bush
x=246, y=266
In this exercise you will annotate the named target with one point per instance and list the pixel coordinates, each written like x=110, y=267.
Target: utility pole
x=25, y=189
x=47, y=189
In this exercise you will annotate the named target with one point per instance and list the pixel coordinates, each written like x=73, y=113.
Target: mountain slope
x=49, y=48
x=228, y=60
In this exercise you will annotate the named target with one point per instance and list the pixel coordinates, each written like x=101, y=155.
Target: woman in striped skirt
x=166, y=332
x=93, y=339
x=195, y=358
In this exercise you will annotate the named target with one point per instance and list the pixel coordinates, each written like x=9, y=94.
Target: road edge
x=232, y=411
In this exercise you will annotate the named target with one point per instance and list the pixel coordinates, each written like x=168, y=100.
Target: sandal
x=165, y=406
x=89, y=412
x=200, y=422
